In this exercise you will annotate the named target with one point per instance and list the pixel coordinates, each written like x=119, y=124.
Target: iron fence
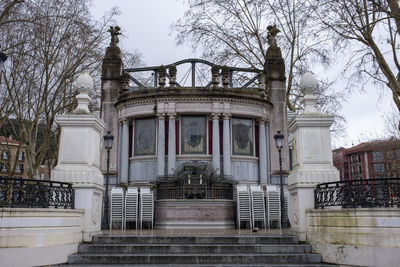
x=366, y=193
x=30, y=193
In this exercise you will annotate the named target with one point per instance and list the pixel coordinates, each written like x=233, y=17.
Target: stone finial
x=261, y=84
x=172, y=75
x=162, y=74
x=308, y=85
x=113, y=51
x=214, y=76
x=225, y=76
x=84, y=85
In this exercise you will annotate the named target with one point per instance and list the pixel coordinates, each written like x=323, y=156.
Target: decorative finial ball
x=308, y=83
x=84, y=83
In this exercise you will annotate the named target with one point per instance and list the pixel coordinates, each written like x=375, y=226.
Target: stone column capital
x=161, y=116
x=125, y=120
x=171, y=115
x=262, y=120
x=215, y=116
x=226, y=116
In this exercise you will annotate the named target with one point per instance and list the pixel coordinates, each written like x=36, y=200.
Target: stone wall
x=358, y=237
x=35, y=237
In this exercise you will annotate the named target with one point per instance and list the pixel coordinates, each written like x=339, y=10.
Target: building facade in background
x=369, y=160
x=13, y=158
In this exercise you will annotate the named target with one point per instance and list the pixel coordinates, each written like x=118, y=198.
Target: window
x=145, y=137
x=379, y=167
x=20, y=168
x=193, y=134
x=3, y=168
x=21, y=156
x=377, y=156
x=242, y=136
x=4, y=154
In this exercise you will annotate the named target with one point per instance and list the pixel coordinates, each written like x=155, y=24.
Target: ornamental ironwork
x=366, y=193
x=195, y=180
x=30, y=193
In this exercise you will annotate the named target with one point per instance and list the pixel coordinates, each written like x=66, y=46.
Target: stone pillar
x=226, y=145
x=79, y=158
x=216, y=158
x=161, y=146
x=262, y=153
x=274, y=69
x=123, y=178
x=312, y=156
x=171, y=144
x=111, y=75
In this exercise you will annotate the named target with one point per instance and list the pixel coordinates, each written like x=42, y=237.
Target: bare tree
x=370, y=29
x=52, y=43
x=235, y=31
x=6, y=10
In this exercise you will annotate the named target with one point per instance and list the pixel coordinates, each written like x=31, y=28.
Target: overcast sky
x=146, y=28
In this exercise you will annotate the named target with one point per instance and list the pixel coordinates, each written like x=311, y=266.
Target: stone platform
x=194, y=214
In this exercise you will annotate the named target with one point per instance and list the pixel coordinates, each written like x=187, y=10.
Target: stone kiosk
x=197, y=137
x=79, y=158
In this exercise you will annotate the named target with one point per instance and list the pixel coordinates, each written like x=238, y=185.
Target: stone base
x=194, y=214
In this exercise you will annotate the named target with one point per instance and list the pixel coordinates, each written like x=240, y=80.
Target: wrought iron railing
x=358, y=193
x=30, y=193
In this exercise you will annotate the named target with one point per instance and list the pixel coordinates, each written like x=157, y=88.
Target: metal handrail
x=31, y=193
x=366, y=193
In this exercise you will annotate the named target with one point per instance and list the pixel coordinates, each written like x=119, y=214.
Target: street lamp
x=108, y=141
x=279, y=145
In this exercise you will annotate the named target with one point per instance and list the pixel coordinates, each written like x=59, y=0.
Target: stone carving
x=124, y=83
x=162, y=74
x=95, y=209
x=84, y=85
x=114, y=31
x=271, y=37
x=215, y=76
x=294, y=212
x=225, y=76
x=172, y=75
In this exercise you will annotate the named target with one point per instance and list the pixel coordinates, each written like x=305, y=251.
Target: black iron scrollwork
x=30, y=193
x=366, y=193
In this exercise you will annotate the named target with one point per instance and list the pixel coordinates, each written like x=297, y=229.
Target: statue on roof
x=271, y=37
x=114, y=31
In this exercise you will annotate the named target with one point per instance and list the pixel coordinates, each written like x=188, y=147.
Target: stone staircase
x=227, y=250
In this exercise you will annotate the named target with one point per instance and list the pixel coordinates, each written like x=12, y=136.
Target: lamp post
x=279, y=145
x=108, y=141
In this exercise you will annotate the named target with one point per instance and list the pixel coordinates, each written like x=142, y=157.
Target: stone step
x=131, y=239
x=193, y=248
x=203, y=265
x=193, y=258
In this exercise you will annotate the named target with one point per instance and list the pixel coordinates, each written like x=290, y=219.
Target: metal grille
x=358, y=193
x=30, y=193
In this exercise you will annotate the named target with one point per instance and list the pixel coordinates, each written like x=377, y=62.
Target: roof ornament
x=308, y=85
x=271, y=36
x=114, y=31
x=84, y=85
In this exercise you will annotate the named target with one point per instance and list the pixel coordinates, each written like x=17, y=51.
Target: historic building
x=369, y=160
x=196, y=141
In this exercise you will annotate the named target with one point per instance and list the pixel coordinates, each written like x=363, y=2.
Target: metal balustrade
x=366, y=193
x=31, y=193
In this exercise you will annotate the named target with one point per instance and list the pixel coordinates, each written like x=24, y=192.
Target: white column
x=226, y=146
x=262, y=164
x=215, y=143
x=125, y=152
x=119, y=154
x=161, y=146
x=268, y=149
x=171, y=144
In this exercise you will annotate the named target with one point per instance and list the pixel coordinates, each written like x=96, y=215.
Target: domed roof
x=84, y=83
x=308, y=83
